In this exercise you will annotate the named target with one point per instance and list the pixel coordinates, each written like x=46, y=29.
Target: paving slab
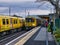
x=39, y=38
x=50, y=36
x=41, y=35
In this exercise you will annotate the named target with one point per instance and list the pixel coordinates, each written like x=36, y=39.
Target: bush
x=57, y=34
x=58, y=39
x=48, y=28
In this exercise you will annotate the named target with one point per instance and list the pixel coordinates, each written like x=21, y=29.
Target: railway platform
x=37, y=36
x=41, y=37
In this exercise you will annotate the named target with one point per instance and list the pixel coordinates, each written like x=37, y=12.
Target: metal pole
x=9, y=11
x=25, y=18
x=25, y=12
x=54, y=19
x=28, y=13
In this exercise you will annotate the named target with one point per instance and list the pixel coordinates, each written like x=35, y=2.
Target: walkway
x=41, y=38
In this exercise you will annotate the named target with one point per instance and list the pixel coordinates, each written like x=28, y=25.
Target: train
x=11, y=24
x=31, y=22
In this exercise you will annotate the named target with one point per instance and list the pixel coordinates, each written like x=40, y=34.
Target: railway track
x=8, y=38
x=5, y=36
x=23, y=38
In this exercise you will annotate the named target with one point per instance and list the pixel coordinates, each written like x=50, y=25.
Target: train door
x=7, y=24
x=3, y=26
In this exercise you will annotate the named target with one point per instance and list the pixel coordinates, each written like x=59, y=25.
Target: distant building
x=16, y=16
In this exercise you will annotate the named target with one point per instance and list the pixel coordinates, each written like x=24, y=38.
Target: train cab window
x=29, y=20
x=32, y=20
x=3, y=20
x=7, y=21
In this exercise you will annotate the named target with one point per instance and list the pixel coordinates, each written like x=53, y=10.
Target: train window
x=32, y=20
x=20, y=21
x=29, y=20
x=3, y=20
x=11, y=21
x=14, y=21
x=7, y=21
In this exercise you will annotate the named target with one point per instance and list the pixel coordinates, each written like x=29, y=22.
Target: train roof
x=2, y=16
x=33, y=16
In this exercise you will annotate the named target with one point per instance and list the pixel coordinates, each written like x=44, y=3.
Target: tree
x=55, y=3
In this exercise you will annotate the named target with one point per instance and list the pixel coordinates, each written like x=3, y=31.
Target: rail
x=17, y=40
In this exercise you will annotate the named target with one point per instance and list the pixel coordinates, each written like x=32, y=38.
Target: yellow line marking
x=24, y=39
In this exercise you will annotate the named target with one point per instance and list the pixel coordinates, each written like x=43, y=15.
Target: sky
x=15, y=0
x=22, y=7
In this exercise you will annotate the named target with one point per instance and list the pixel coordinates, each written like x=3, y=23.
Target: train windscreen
x=29, y=20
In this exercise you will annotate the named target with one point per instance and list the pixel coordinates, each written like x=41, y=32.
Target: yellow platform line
x=24, y=39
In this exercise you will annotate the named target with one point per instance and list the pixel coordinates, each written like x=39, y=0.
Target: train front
x=30, y=23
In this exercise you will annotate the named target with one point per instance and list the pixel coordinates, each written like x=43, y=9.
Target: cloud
x=3, y=9
x=33, y=12
x=19, y=8
x=15, y=0
x=39, y=12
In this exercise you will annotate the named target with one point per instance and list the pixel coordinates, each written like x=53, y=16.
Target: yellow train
x=31, y=22
x=11, y=24
x=8, y=24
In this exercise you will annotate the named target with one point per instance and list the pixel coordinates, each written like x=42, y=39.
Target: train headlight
x=33, y=24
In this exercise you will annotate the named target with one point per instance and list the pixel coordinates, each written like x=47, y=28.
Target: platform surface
x=39, y=38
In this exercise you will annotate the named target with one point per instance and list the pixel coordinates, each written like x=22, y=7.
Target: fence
x=57, y=23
